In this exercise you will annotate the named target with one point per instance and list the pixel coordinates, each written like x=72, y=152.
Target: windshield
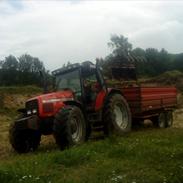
x=70, y=80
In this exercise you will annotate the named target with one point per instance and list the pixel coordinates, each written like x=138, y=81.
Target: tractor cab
x=84, y=80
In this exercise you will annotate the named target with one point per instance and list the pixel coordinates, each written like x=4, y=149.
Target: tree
x=25, y=63
x=140, y=60
x=120, y=56
x=22, y=71
x=157, y=62
x=149, y=62
x=10, y=63
x=1, y=63
x=30, y=68
x=37, y=65
x=178, y=62
x=120, y=46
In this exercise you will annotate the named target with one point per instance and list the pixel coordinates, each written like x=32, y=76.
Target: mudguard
x=30, y=122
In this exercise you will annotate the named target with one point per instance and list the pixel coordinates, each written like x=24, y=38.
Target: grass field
x=146, y=155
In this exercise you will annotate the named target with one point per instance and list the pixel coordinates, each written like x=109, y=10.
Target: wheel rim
x=162, y=120
x=121, y=116
x=76, y=129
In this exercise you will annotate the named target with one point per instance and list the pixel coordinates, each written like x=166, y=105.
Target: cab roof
x=73, y=67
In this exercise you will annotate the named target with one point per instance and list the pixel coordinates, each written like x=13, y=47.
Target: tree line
x=24, y=70
x=148, y=62
x=28, y=70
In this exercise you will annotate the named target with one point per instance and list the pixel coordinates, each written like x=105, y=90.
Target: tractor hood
x=48, y=105
x=60, y=96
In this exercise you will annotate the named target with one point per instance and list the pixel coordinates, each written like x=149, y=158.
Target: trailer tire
x=169, y=118
x=116, y=115
x=160, y=120
x=69, y=127
x=24, y=141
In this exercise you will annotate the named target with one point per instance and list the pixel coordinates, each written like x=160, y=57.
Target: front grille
x=48, y=107
x=32, y=106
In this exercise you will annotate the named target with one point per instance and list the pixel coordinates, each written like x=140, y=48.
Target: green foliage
x=22, y=71
x=10, y=63
x=30, y=64
x=25, y=70
x=121, y=49
x=178, y=59
x=120, y=46
x=174, y=77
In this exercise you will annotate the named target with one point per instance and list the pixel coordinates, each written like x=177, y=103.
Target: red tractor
x=81, y=101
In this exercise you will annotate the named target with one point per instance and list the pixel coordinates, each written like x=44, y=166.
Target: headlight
x=34, y=111
x=29, y=112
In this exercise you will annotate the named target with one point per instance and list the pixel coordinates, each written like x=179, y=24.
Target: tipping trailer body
x=150, y=101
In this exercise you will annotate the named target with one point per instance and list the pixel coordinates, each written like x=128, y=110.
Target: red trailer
x=151, y=102
x=145, y=101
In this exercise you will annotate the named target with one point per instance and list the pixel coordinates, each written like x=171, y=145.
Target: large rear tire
x=69, y=127
x=116, y=116
x=24, y=141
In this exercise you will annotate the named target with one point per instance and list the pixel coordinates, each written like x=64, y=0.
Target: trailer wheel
x=24, y=141
x=116, y=116
x=169, y=118
x=69, y=127
x=160, y=120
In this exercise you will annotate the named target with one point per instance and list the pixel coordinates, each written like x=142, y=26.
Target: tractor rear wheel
x=24, y=141
x=116, y=115
x=69, y=127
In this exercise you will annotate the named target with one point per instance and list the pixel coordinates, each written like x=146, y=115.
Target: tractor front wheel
x=69, y=127
x=24, y=141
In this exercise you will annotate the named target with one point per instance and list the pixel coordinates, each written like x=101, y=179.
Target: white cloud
x=61, y=31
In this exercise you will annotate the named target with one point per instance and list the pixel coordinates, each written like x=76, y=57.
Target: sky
x=78, y=30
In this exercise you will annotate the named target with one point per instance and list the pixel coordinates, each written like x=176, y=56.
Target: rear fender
x=76, y=103
x=100, y=100
x=111, y=92
x=103, y=96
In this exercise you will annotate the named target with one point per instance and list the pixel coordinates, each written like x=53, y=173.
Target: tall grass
x=147, y=156
x=30, y=89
